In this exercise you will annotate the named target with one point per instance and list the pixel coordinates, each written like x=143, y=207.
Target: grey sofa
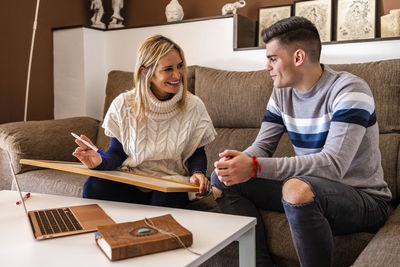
x=236, y=102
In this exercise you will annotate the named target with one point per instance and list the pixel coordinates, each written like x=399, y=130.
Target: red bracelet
x=256, y=164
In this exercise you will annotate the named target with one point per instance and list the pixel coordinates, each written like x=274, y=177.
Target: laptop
x=63, y=221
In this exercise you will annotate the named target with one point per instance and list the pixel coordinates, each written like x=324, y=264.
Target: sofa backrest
x=383, y=77
x=237, y=100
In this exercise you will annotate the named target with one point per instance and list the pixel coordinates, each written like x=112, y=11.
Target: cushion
x=384, y=249
x=117, y=82
x=238, y=139
x=234, y=99
x=102, y=141
x=54, y=182
x=389, y=145
x=279, y=239
x=25, y=140
x=384, y=79
x=121, y=81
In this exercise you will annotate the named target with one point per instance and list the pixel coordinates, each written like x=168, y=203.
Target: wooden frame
x=356, y=19
x=269, y=15
x=318, y=12
x=127, y=177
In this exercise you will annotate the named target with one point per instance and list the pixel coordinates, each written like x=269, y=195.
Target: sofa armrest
x=49, y=139
x=383, y=249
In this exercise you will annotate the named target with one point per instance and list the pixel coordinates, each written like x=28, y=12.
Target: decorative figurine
x=174, y=11
x=390, y=24
x=97, y=7
x=116, y=18
x=231, y=8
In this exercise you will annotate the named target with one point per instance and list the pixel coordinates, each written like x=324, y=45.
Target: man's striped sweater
x=333, y=130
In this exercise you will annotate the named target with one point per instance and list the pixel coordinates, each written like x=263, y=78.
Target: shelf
x=328, y=43
x=147, y=25
x=245, y=32
x=246, y=35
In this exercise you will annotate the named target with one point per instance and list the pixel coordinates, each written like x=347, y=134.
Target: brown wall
x=16, y=36
x=153, y=12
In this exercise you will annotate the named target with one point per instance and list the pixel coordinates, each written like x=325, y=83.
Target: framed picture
x=318, y=12
x=356, y=19
x=269, y=15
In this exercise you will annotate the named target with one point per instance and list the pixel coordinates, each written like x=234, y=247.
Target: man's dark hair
x=295, y=32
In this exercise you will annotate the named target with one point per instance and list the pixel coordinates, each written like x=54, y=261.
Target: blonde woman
x=157, y=128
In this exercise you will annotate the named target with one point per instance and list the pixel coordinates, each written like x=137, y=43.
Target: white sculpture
x=97, y=7
x=231, y=8
x=390, y=24
x=116, y=18
x=174, y=11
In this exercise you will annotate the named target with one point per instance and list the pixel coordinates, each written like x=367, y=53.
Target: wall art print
x=269, y=15
x=318, y=12
x=356, y=19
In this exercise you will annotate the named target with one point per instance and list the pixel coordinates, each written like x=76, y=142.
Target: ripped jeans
x=336, y=209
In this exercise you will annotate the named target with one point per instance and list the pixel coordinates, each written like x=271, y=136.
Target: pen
x=89, y=145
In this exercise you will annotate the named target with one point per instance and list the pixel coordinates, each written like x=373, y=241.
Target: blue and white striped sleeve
x=354, y=107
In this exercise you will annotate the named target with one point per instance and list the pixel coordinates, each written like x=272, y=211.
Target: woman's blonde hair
x=149, y=54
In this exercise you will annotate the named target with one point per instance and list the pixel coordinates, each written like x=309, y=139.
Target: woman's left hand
x=203, y=183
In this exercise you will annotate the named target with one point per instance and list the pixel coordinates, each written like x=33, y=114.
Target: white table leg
x=247, y=248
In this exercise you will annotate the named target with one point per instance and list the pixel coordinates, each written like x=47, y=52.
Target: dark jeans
x=110, y=190
x=336, y=209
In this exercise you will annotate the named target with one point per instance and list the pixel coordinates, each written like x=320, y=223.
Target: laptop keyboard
x=56, y=221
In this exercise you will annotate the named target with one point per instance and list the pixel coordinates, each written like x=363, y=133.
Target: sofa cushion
x=54, y=182
x=120, y=81
x=233, y=99
x=389, y=145
x=384, y=249
x=347, y=247
x=117, y=82
x=384, y=79
x=238, y=139
x=27, y=140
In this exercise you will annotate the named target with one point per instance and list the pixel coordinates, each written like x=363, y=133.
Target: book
x=132, y=239
x=133, y=178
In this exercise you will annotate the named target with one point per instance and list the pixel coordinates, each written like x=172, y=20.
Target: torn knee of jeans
x=217, y=193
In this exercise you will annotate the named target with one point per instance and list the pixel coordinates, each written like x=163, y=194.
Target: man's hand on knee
x=234, y=167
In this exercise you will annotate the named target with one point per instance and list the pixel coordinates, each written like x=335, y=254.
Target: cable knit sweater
x=161, y=145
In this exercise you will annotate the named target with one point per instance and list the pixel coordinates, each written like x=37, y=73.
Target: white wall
x=79, y=73
x=83, y=57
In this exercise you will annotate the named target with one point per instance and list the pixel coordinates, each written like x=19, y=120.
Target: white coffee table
x=211, y=233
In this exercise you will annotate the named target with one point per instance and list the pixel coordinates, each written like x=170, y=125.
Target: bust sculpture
x=116, y=18
x=97, y=7
x=174, y=11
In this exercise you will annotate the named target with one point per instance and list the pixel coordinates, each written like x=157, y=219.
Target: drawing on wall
x=318, y=12
x=355, y=19
x=269, y=15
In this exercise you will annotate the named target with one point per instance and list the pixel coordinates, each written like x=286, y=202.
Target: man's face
x=281, y=64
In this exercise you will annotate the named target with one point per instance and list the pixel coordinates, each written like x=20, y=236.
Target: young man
x=334, y=184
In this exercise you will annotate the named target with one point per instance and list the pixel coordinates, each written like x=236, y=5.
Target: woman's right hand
x=86, y=155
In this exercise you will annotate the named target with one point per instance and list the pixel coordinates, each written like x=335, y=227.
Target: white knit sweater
x=162, y=145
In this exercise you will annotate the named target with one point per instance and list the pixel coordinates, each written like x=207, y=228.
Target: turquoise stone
x=143, y=230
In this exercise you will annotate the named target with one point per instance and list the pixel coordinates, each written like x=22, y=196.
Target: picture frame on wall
x=318, y=12
x=356, y=19
x=269, y=15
